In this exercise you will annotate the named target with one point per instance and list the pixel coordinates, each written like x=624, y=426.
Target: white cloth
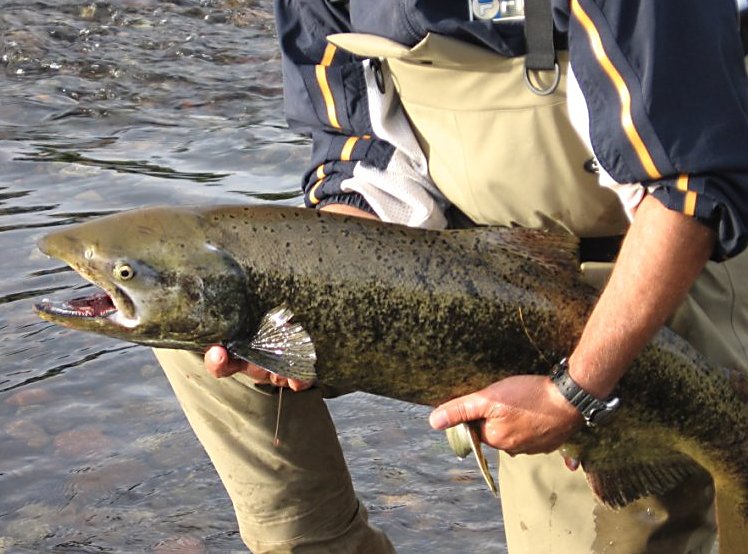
x=403, y=192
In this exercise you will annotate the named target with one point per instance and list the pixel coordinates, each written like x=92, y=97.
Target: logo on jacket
x=496, y=10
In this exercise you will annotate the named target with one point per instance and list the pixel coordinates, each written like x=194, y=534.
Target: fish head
x=161, y=280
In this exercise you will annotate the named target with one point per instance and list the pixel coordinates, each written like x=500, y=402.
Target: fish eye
x=124, y=272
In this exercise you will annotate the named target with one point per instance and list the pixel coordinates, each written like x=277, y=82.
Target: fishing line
x=527, y=334
x=276, y=440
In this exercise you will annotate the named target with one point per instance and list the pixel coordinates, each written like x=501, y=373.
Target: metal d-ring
x=544, y=91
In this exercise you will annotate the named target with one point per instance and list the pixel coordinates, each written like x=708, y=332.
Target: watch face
x=556, y=371
x=598, y=417
x=559, y=369
x=601, y=416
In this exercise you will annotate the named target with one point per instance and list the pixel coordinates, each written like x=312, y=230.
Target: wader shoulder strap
x=541, y=52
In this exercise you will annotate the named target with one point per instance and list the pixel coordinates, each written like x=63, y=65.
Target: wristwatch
x=594, y=410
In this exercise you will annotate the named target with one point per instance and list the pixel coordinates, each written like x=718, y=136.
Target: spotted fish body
x=411, y=314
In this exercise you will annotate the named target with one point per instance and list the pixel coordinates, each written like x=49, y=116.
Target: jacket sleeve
x=328, y=96
x=666, y=90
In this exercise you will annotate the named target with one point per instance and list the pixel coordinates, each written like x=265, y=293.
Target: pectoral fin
x=279, y=346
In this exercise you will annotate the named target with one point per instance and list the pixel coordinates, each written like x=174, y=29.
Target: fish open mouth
x=99, y=304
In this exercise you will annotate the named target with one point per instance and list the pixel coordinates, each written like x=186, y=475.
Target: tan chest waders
x=497, y=150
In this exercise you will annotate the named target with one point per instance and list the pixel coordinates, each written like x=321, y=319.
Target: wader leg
x=296, y=497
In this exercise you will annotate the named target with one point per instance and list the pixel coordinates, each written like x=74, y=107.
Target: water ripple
x=59, y=369
x=15, y=210
x=122, y=166
x=29, y=293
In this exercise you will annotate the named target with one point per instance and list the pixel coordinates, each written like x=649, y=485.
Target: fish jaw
x=96, y=311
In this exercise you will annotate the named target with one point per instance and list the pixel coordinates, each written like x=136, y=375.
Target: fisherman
x=441, y=113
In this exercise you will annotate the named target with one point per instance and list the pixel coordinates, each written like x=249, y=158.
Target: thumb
x=216, y=361
x=460, y=410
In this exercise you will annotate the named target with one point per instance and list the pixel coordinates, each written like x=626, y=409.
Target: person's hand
x=523, y=414
x=220, y=364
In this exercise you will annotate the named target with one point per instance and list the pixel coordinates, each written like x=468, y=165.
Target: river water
x=112, y=105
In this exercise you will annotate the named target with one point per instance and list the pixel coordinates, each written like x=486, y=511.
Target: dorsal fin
x=556, y=250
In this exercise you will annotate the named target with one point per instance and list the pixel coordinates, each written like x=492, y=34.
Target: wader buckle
x=544, y=90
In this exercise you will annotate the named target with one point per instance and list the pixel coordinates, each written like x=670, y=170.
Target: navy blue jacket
x=664, y=81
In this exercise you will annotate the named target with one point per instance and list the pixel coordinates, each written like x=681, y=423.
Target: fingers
x=298, y=386
x=460, y=410
x=518, y=415
x=572, y=464
x=293, y=384
x=571, y=456
x=219, y=364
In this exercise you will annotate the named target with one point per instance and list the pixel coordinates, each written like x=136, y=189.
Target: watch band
x=595, y=411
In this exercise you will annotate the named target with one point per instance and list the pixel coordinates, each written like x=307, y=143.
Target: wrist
x=591, y=376
x=562, y=403
x=595, y=410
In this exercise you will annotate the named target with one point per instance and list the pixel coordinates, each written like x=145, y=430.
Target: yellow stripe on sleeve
x=689, y=202
x=345, y=156
x=321, y=73
x=627, y=121
x=329, y=54
x=347, y=152
x=312, y=198
x=320, y=177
